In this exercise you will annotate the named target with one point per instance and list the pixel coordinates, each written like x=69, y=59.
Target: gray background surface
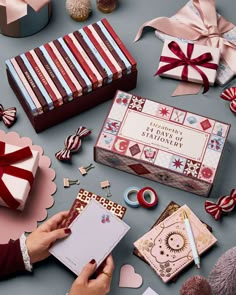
x=51, y=277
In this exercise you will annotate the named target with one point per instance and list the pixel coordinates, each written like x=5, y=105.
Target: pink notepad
x=166, y=247
x=95, y=233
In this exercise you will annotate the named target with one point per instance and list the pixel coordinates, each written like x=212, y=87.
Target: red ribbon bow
x=6, y=160
x=186, y=61
x=225, y=204
x=230, y=95
x=72, y=144
x=8, y=116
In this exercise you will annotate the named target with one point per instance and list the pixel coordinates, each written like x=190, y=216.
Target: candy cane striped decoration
x=8, y=116
x=72, y=144
x=224, y=204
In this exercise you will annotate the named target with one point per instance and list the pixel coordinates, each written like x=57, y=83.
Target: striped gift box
x=71, y=74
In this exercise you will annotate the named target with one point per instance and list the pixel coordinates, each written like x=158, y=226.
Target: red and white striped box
x=162, y=143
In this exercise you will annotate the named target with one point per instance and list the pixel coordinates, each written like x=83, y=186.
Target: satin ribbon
x=8, y=116
x=16, y=9
x=206, y=28
x=225, y=204
x=72, y=144
x=6, y=160
x=186, y=61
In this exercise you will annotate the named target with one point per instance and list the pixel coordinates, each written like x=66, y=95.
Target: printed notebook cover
x=170, y=209
x=95, y=233
x=166, y=247
x=82, y=200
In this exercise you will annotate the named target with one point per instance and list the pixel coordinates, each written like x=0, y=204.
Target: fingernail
x=67, y=231
x=93, y=261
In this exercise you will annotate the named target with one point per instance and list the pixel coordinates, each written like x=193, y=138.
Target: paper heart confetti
x=129, y=278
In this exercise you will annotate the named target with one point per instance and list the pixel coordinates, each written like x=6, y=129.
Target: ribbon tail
x=6, y=196
x=170, y=27
x=187, y=88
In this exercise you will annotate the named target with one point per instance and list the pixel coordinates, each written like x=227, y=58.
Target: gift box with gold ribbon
x=22, y=18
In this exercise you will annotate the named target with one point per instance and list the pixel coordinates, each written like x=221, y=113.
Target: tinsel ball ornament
x=196, y=285
x=222, y=278
x=79, y=10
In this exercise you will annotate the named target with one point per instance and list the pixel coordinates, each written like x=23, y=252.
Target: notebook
x=95, y=233
x=166, y=247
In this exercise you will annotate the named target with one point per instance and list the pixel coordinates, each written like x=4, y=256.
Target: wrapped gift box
x=224, y=72
x=18, y=187
x=36, y=18
x=193, y=75
x=62, y=78
x=162, y=143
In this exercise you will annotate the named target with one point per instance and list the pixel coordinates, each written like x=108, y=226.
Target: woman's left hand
x=43, y=237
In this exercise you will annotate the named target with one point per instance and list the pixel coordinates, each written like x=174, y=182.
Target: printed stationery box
x=64, y=77
x=162, y=143
x=18, y=167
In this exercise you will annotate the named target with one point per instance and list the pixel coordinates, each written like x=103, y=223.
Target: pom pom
x=195, y=286
x=222, y=278
x=79, y=10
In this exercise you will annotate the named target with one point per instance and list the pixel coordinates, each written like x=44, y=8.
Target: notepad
x=95, y=233
x=166, y=247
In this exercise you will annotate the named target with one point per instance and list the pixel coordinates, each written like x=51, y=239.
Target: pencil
x=191, y=240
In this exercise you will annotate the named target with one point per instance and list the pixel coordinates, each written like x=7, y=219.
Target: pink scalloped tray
x=14, y=223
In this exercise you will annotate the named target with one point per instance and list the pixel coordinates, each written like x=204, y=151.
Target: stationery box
x=162, y=143
x=18, y=167
x=71, y=74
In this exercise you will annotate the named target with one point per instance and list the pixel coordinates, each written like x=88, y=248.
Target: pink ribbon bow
x=230, y=95
x=206, y=28
x=8, y=116
x=224, y=204
x=72, y=144
x=186, y=61
x=16, y=9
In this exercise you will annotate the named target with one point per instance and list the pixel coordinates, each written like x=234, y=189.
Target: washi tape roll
x=127, y=193
x=147, y=197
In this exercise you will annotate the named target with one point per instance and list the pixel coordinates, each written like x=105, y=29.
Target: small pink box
x=19, y=188
x=193, y=74
x=162, y=143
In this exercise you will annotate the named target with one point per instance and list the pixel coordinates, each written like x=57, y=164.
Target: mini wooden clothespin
x=67, y=182
x=84, y=170
x=106, y=184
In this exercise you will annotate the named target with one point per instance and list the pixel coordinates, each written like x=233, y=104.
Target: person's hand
x=43, y=237
x=84, y=285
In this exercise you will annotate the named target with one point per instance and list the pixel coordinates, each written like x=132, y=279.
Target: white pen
x=191, y=240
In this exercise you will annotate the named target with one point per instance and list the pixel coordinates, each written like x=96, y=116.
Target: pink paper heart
x=129, y=278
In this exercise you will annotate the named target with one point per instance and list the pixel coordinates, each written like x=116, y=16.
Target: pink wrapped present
x=18, y=167
x=189, y=62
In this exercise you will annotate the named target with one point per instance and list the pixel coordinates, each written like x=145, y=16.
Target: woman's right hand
x=84, y=285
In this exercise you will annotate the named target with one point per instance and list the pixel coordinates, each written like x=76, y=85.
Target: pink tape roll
x=147, y=197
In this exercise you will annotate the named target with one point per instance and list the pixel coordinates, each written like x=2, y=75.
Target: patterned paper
x=162, y=143
x=82, y=200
